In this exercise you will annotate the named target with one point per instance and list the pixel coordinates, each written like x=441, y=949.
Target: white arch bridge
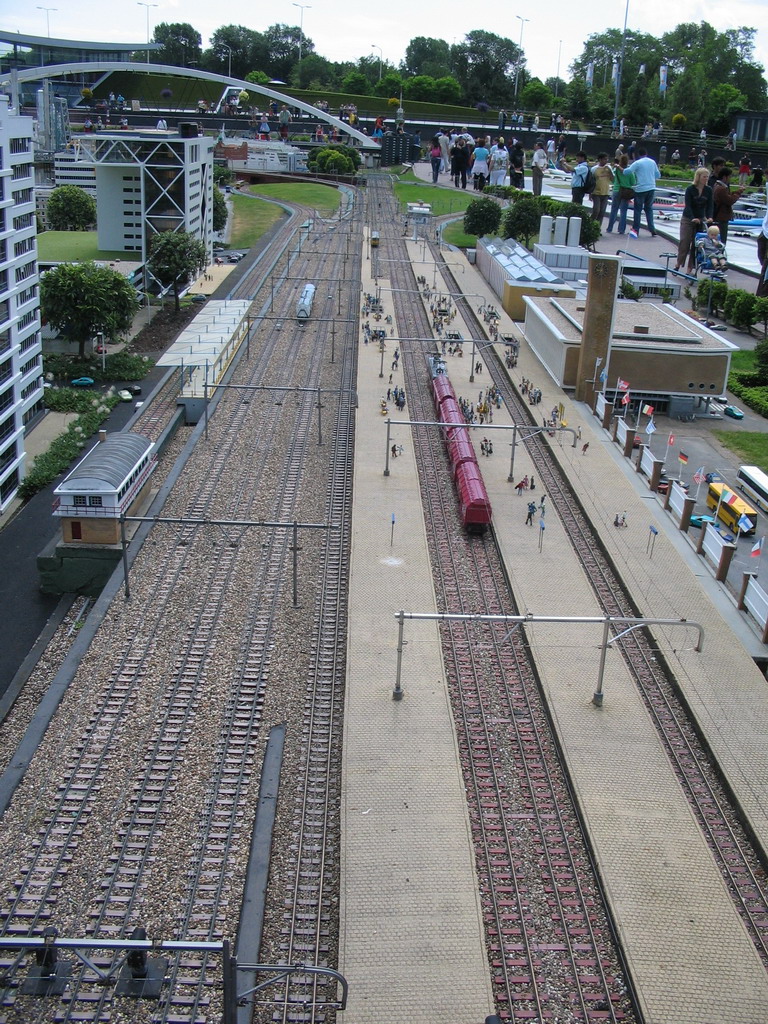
x=11, y=81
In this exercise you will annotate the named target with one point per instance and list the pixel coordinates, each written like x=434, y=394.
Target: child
x=712, y=249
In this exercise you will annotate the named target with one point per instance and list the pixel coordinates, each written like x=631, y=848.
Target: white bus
x=754, y=482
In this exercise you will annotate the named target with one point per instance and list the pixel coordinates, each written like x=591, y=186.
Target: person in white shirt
x=499, y=162
x=539, y=164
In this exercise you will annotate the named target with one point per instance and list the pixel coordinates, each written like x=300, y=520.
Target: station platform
x=409, y=890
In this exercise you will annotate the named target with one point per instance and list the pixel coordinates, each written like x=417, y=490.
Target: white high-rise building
x=21, y=360
x=146, y=183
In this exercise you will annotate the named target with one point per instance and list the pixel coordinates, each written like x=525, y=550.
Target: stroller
x=710, y=259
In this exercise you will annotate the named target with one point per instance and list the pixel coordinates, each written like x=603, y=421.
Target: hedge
x=68, y=445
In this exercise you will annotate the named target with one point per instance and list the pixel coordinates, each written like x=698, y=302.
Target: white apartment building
x=146, y=183
x=21, y=380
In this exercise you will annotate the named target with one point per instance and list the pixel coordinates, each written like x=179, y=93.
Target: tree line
x=710, y=75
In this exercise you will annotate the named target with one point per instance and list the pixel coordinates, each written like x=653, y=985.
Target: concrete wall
x=513, y=299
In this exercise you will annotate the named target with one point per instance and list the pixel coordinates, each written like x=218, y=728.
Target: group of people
x=708, y=207
x=460, y=155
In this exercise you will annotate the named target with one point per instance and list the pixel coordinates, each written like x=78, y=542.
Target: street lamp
x=620, y=68
x=304, y=7
x=48, y=17
x=229, y=66
x=519, y=59
x=557, y=78
x=381, y=56
x=140, y=3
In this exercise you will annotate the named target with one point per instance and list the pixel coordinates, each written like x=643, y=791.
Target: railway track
x=551, y=948
x=197, y=654
x=740, y=861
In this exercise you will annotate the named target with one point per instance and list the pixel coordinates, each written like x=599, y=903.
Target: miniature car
x=135, y=389
x=733, y=412
x=697, y=522
x=124, y=395
x=235, y=257
x=82, y=382
x=198, y=297
x=101, y=348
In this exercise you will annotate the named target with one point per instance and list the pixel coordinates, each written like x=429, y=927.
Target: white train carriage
x=304, y=307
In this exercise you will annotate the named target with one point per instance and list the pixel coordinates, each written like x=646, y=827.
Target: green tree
x=689, y=94
x=536, y=96
x=356, y=83
x=422, y=87
x=482, y=217
x=174, y=258
x=258, y=77
x=248, y=51
x=283, y=49
x=447, y=90
x=83, y=300
x=388, y=85
x=484, y=65
x=219, y=210
x=180, y=42
x=71, y=209
x=424, y=56
x=521, y=220
x=313, y=72
x=721, y=103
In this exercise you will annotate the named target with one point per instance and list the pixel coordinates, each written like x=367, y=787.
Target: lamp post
x=557, y=77
x=620, y=68
x=304, y=7
x=381, y=56
x=48, y=17
x=522, y=21
x=140, y=3
x=229, y=65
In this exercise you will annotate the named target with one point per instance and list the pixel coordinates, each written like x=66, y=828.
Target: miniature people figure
x=531, y=513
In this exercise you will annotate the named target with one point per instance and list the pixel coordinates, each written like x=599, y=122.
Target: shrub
x=679, y=122
x=482, y=217
x=628, y=290
x=68, y=446
x=720, y=292
x=761, y=312
x=120, y=366
x=733, y=296
x=744, y=313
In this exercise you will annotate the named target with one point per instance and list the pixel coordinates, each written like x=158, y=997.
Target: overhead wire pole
x=294, y=526
x=633, y=622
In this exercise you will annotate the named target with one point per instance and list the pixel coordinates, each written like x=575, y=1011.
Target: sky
x=559, y=28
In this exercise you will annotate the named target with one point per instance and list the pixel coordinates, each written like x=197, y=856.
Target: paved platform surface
x=412, y=945
x=691, y=958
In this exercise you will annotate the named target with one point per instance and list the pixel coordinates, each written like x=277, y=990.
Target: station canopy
x=208, y=334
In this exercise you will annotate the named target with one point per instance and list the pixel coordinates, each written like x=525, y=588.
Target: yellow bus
x=728, y=507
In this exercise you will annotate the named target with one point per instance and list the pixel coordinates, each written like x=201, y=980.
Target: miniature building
x=21, y=372
x=662, y=352
x=109, y=482
x=513, y=272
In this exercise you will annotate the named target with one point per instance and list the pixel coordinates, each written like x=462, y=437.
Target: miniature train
x=474, y=504
x=304, y=307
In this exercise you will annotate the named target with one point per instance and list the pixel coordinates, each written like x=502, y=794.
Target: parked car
x=235, y=257
x=733, y=412
x=135, y=389
x=198, y=297
x=697, y=522
x=125, y=395
x=82, y=382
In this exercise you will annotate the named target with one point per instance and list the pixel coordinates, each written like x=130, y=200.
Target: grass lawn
x=70, y=246
x=751, y=447
x=324, y=198
x=743, y=360
x=250, y=220
x=454, y=234
x=442, y=200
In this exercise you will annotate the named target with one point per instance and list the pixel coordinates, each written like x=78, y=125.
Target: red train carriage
x=474, y=505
